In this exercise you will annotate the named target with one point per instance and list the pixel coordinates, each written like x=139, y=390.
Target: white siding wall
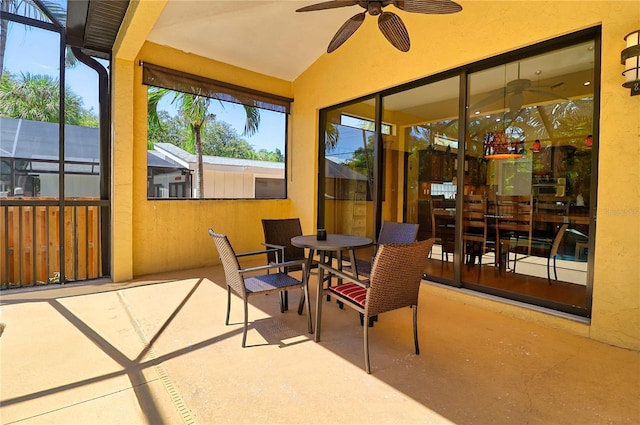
x=75, y=186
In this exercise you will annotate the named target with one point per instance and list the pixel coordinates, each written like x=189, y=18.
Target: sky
x=36, y=51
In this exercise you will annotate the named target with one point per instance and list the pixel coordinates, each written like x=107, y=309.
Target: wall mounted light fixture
x=630, y=58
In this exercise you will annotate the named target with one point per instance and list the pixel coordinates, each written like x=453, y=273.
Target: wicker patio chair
x=394, y=283
x=247, y=282
x=390, y=232
x=277, y=234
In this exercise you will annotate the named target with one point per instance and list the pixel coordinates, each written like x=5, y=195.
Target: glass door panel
x=420, y=166
x=349, y=140
x=529, y=149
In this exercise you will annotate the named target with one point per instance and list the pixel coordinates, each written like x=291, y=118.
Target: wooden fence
x=30, y=242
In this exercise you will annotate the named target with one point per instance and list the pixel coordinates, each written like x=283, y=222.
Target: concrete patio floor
x=156, y=351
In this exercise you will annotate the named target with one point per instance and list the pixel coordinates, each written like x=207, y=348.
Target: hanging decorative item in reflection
x=536, y=146
x=498, y=145
x=588, y=141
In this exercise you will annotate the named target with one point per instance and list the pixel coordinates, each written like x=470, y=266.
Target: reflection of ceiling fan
x=514, y=91
x=389, y=23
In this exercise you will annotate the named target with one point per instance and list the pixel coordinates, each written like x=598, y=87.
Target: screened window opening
x=212, y=140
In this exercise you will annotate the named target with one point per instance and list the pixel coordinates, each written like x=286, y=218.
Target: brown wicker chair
x=246, y=282
x=277, y=234
x=390, y=232
x=394, y=283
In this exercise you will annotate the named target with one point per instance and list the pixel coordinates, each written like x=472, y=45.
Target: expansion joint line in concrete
x=174, y=394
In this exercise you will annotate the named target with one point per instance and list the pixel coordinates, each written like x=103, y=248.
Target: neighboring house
x=167, y=178
x=227, y=178
x=344, y=183
x=29, y=151
x=30, y=159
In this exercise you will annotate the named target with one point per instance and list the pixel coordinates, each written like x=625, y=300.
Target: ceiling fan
x=389, y=23
x=514, y=91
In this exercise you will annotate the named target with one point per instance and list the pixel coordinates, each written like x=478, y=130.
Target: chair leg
x=548, y=271
x=555, y=272
x=415, y=328
x=305, y=296
x=366, y=348
x=281, y=297
x=246, y=320
x=330, y=262
x=226, y=322
x=284, y=301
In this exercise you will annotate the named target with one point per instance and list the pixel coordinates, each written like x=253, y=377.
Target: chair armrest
x=272, y=245
x=247, y=254
x=342, y=275
x=275, y=266
x=280, y=250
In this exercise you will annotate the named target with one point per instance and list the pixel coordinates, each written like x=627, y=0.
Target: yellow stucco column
x=138, y=22
x=122, y=172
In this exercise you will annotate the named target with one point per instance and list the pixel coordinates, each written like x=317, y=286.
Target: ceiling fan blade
x=394, y=30
x=333, y=4
x=436, y=7
x=494, y=96
x=515, y=102
x=346, y=30
x=547, y=93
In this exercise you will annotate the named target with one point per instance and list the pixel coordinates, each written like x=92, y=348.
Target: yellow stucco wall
x=154, y=236
x=169, y=233
x=151, y=236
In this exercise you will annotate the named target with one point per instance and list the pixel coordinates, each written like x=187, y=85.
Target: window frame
x=182, y=82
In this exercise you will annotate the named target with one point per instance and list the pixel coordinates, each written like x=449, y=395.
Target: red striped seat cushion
x=351, y=291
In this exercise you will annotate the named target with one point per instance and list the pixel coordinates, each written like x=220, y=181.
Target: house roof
x=186, y=158
x=38, y=141
x=336, y=170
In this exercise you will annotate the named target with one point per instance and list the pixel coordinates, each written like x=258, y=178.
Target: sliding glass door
x=530, y=128
x=347, y=167
x=508, y=191
x=422, y=163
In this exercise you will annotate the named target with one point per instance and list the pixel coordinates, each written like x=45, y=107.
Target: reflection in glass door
x=530, y=126
x=508, y=193
x=348, y=165
x=421, y=163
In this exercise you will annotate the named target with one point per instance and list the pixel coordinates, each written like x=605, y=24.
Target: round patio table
x=335, y=243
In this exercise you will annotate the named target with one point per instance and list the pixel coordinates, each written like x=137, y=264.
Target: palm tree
x=30, y=9
x=36, y=97
x=194, y=109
